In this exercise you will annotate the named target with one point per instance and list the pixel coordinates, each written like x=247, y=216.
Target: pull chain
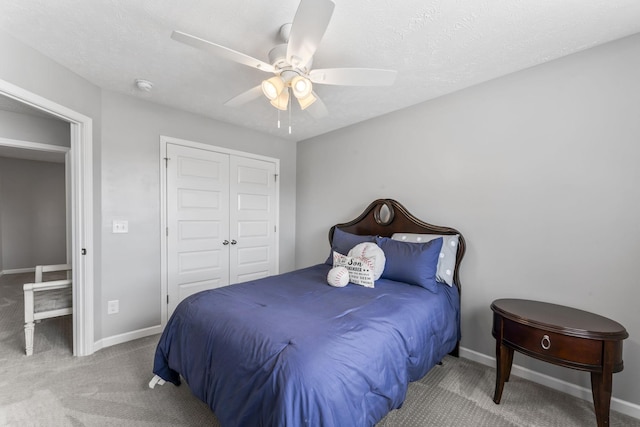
x=289, y=108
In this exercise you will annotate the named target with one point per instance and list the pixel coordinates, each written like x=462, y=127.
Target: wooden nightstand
x=563, y=336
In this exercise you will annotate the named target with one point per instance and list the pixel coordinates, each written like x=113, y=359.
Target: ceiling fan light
x=282, y=101
x=306, y=101
x=301, y=86
x=272, y=88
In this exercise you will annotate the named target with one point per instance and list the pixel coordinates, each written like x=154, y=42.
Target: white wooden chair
x=43, y=300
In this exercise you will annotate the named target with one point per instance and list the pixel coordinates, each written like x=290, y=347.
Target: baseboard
x=618, y=405
x=126, y=337
x=18, y=270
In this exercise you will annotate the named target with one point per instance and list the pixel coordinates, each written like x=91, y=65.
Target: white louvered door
x=221, y=220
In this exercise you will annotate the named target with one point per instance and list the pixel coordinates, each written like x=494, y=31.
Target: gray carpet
x=109, y=388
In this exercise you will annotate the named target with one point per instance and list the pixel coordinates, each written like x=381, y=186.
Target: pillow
x=371, y=251
x=360, y=269
x=343, y=242
x=448, y=254
x=413, y=263
x=338, y=277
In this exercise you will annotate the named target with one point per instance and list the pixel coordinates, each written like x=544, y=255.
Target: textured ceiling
x=437, y=47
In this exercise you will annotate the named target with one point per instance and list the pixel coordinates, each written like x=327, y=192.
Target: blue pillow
x=413, y=263
x=343, y=242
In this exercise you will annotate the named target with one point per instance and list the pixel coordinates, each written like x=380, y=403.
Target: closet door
x=252, y=219
x=197, y=221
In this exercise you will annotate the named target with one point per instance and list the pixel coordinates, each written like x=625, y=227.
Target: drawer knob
x=545, y=342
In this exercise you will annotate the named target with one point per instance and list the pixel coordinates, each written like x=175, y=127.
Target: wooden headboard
x=384, y=217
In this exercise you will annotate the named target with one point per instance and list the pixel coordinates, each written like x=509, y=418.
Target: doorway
x=33, y=228
x=79, y=157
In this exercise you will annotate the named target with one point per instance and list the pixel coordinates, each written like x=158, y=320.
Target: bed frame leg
x=156, y=380
x=456, y=351
x=28, y=338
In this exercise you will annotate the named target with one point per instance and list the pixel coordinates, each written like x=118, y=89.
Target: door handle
x=226, y=242
x=233, y=242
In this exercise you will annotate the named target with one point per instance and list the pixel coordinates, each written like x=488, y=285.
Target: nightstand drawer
x=550, y=345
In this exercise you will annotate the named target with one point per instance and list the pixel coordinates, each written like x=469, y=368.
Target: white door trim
x=81, y=171
x=164, y=140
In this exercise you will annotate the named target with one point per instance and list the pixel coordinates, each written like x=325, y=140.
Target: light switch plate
x=120, y=226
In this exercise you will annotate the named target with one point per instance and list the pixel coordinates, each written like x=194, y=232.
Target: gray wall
x=32, y=213
x=1, y=252
x=31, y=128
x=131, y=191
x=538, y=170
x=30, y=70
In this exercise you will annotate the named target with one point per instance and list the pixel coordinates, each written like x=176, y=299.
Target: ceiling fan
x=291, y=62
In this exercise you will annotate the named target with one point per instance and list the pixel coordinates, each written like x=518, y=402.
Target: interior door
x=253, y=219
x=197, y=221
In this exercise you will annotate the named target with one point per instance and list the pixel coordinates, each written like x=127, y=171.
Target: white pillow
x=373, y=252
x=448, y=253
x=338, y=277
x=360, y=269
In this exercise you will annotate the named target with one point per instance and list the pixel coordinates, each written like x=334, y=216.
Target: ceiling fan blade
x=307, y=29
x=317, y=110
x=221, y=51
x=353, y=76
x=244, y=97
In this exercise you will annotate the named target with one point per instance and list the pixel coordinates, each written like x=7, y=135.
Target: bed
x=290, y=350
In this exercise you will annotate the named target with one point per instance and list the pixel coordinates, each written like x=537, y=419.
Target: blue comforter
x=290, y=350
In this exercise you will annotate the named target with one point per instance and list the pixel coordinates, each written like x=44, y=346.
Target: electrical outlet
x=120, y=226
x=113, y=306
